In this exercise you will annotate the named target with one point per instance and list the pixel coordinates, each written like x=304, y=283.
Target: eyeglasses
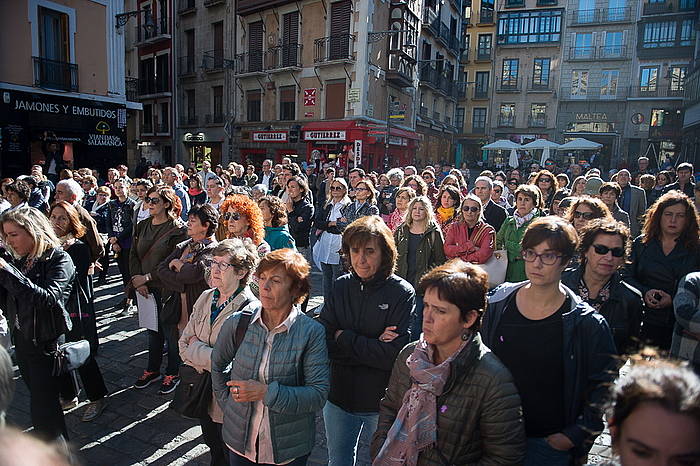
x=497, y=191
x=585, y=215
x=361, y=189
x=223, y=266
x=471, y=209
x=545, y=180
x=152, y=200
x=602, y=250
x=547, y=258
x=235, y=216
x=337, y=188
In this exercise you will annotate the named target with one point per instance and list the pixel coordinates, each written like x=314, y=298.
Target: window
x=583, y=46
x=486, y=12
x=514, y=3
x=459, y=118
x=254, y=105
x=506, y=115
x=217, y=30
x=287, y=103
x=579, y=84
x=290, y=39
x=617, y=10
x=164, y=118
x=525, y=27
x=147, y=115
x=613, y=45
x=482, y=84
x=335, y=99
x=586, y=11
x=658, y=116
x=608, y=84
x=479, y=120
x=341, y=18
x=540, y=73
x=538, y=116
x=54, y=39
x=509, y=73
x=162, y=73
x=648, y=79
x=659, y=34
x=255, y=47
x=687, y=4
x=687, y=32
x=187, y=64
x=191, y=105
x=677, y=74
x=217, y=93
x=483, y=51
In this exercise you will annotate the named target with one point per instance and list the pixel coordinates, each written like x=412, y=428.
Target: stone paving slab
x=137, y=428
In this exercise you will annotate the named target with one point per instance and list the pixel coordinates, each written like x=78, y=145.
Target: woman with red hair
x=243, y=219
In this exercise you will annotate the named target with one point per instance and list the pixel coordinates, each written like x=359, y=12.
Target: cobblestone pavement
x=137, y=428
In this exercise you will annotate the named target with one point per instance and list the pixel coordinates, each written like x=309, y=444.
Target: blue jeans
x=343, y=432
x=330, y=273
x=237, y=460
x=539, y=452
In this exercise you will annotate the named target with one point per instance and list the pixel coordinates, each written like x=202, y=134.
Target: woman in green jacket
x=419, y=244
x=528, y=202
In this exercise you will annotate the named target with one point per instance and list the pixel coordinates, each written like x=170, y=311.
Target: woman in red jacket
x=470, y=238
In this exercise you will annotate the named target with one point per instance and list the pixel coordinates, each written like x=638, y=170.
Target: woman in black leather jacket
x=36, y=279
x=604, y=246
x=667, y=250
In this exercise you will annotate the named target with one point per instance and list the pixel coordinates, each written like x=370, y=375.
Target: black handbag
x=70, y=356
x=194, y=392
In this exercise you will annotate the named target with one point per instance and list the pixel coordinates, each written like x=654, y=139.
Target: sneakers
x=93, y=410
x=147, y=379
x=170, y=382
x=67, y=405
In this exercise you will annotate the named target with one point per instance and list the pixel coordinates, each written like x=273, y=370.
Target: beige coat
x=198, y=354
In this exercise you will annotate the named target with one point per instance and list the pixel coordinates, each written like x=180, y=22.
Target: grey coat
x=300, y=380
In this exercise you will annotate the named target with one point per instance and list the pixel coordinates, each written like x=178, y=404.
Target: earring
x=465, y=335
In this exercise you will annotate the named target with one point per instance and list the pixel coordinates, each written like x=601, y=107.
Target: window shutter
x=290, y=38
x=341, y=14
x=335, y=99
x=255, y=46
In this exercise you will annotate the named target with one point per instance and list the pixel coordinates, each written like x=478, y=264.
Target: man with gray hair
x=494, y=214
x=633, y=200
x=258, y=191
x=71, y=192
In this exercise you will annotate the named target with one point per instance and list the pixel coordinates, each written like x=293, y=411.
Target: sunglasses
x=361, y=189
x=471, y=209
x=152, y=200
x=337, y=188
x=235, y=216
x=602, y=250
x=585, y=215
x=546, y=180
x=497, y=191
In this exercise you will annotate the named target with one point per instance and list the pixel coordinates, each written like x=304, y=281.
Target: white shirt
x=329, y=244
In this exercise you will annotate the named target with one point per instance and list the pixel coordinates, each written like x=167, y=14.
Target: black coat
x=360, y=363
x=300, y=229
x=494, y=215
x=38, y=299
x=623, y=310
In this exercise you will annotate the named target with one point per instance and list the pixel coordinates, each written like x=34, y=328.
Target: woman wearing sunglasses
x=470, y=238
x=155, y=238
x=560, y=351
x=604, y=247
x=243, y=219
x=583, y=210
x=546, y=183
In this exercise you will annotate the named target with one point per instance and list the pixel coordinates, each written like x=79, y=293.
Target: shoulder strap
x=241, y=329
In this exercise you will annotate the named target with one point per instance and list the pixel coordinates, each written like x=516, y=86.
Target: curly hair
x=244, y=205
x=652, y=220
x=541, y=174
x=277, y=209
x=422, y=186
x=600, y=210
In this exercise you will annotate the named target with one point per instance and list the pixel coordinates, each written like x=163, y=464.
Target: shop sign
x=398, y=141
x=324, y=135
x=358, y=152
x=592, y=116
x=353, y=95
x=637, y=119
x=270, y=136
x=370, y=110
x=308, y=114
x=309, y=97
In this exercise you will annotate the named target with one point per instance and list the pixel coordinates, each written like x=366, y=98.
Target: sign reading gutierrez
x=324, y=135
x=270, y=136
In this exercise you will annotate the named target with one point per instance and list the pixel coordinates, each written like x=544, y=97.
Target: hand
x=193, y=338
x=560, y=442
x=654, y=303
x=176, y=265
x=300, y=219
x=389, y=335
x=343, y=219
x=332, y=224
x=116, y=248
x=337, y=333
x=142, y=290
x=138, y=281
x=247, y=390
x=113, y=240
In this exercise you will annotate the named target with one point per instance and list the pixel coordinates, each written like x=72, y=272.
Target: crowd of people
x=417, y=347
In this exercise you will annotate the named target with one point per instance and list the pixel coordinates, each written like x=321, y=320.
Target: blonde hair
x=430, y=220
x=36, y=225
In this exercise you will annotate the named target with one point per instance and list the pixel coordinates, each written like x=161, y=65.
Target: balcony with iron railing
x=53, y=74
x=213, y=61
x=506, y=121
x=211, y=3
x=543, y=84
x=478, y=129
x=429, y=76
x=436, y=115
x=214, y=119
x=484, y=54
x=536, y=121
x=600, y=16
x=594, y=93
x=186, y=6
x=249, y=63
x=334, y=49
x=612, y=52
x=185, y=66
x=189, y=120
x=153, y=86
x=423, y=112
x=283, y=57
x=656, y=91
x=401, y=69
x=132, y=88
x=431, y=21
x=481, y=92
x=486, y=16
x=153, y=32
x=509, y=86
x=581, y=53
x=668, y=6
